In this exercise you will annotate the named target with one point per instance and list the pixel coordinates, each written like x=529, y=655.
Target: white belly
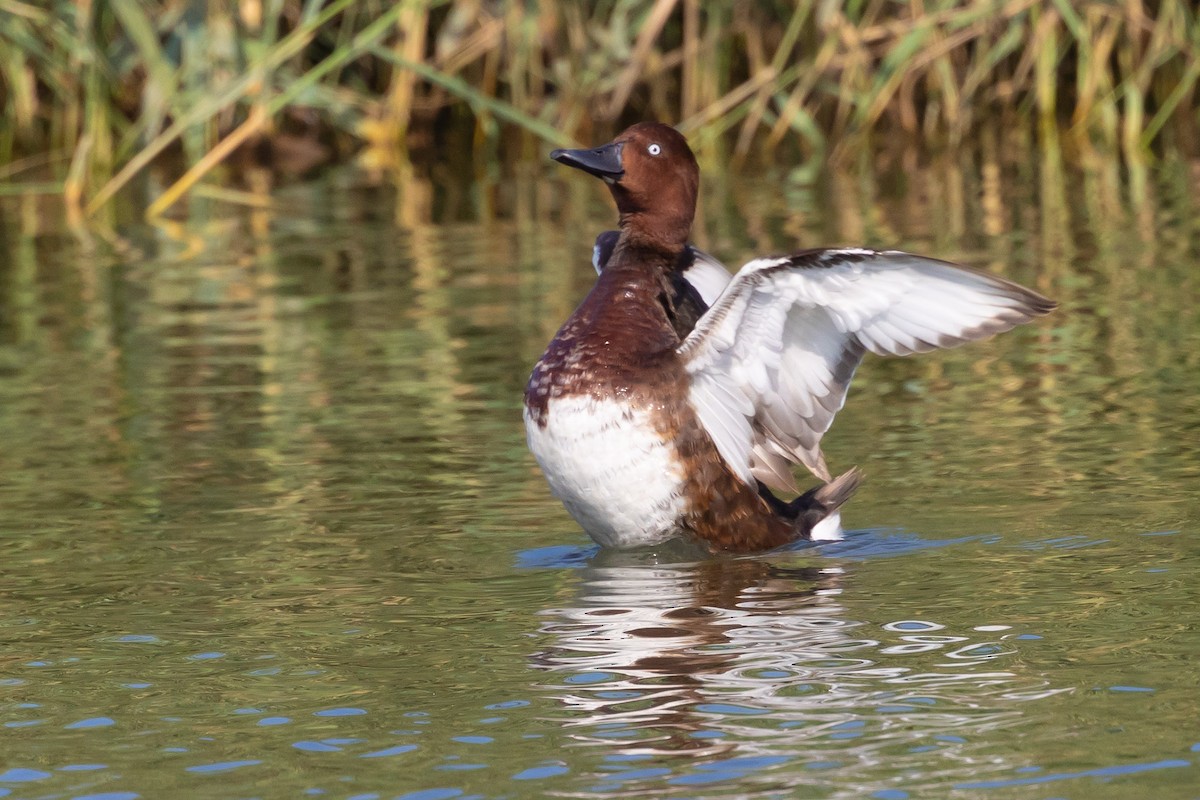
x=606, y=463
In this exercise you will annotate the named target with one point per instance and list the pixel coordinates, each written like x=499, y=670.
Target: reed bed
x=95, y=92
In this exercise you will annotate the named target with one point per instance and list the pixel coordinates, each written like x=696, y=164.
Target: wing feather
x=707, y=275
x=773, y=357
x=730, y=430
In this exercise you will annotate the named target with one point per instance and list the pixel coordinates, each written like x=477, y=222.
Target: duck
x=675, y=401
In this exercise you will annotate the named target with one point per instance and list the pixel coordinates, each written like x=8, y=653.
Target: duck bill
x=604, y=162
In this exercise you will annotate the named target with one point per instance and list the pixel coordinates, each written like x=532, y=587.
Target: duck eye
x=654, y=149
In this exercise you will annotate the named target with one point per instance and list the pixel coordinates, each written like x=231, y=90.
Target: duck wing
x=707, y=275
x=772, y=359
x=602, y=250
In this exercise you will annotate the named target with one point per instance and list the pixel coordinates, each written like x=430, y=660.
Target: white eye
x=654, y=149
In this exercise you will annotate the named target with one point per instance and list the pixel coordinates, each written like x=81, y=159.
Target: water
x=269, y=528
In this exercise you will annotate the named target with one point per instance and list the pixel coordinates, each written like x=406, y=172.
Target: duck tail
x=817, y=511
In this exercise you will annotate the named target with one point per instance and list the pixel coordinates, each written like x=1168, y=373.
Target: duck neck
x=642, y=257
x=659, y=241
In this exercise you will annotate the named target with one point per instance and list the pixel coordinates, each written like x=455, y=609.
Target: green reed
x=94, y=91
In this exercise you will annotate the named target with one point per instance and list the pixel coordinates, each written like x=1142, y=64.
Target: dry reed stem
x=652, y=27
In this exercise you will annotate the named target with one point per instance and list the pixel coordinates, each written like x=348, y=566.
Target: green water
x=269, y=529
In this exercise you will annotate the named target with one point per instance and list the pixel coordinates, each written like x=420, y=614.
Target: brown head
x=654, y=178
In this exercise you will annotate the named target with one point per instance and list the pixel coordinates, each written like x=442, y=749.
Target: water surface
x=269, y=527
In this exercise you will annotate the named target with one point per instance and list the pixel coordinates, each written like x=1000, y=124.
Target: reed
x=93, y=93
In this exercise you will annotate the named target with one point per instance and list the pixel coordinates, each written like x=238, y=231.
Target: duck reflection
x=761, y=655
x=652, y=648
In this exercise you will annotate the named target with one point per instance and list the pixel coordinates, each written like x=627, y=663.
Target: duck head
x=653, y=177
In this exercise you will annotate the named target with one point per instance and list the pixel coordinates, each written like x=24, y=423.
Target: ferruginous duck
x=674, y=399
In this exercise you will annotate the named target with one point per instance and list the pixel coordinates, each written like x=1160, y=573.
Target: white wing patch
x=772, y=359
x=707, y=275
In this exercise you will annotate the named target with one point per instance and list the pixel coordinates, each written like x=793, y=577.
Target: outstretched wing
x=772, y=359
